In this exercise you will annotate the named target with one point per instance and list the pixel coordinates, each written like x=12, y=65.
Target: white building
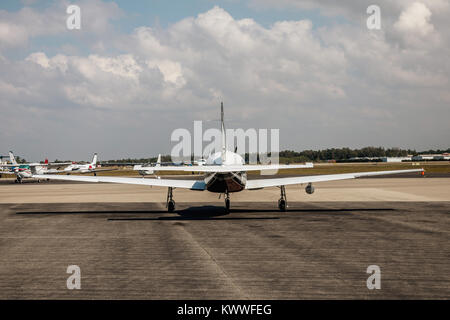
x=395, y=159
x=423, y=157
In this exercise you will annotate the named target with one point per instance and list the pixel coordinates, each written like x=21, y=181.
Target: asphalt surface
x=138, y=250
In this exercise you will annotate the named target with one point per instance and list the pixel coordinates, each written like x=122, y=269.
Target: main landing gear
x=282, y=203
x=170, y=202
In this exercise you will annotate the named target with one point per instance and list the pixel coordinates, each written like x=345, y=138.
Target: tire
x=227, y=204
x=282, y=204
x=171, y=206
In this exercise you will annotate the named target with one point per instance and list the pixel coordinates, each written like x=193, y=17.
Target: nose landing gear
x=170, y=205
x=282, y=202
x=227, y=201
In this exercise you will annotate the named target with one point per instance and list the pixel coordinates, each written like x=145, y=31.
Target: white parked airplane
x=148, y=170
x=85, y=168
x=225, y=172
x=26, y=170
x=200, y=162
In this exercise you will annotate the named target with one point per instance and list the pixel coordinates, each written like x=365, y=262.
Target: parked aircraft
x=225, y=173
x=200, y=162
x=85, y=168
x=26, y=170
x=148, y=170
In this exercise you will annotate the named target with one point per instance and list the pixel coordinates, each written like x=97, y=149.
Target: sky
x=138, y=70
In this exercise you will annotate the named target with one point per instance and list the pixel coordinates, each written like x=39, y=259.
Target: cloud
x=415, y=19
x=18, y=28
x=337, y=85
x=414, y=27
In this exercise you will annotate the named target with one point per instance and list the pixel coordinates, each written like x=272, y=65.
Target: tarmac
x=127, y=245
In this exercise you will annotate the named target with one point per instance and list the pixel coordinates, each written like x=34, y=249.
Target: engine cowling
x=309, y=189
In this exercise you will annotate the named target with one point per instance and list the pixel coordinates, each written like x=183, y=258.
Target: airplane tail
x=158, y=162
x=12, y=158
x=94, y=160
x=224, y=141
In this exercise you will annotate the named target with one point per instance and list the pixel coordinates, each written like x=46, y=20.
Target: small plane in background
x=148, y=170
x=85, y=168
x=26, y=170
x=200, y=162
x=225, y=173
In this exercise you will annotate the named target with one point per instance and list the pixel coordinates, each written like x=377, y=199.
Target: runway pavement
x=382, y=189
x=138, y=250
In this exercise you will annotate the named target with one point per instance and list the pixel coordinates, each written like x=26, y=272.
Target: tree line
x=338, y=154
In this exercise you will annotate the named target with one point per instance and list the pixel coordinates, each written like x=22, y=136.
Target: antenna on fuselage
x=224, y=142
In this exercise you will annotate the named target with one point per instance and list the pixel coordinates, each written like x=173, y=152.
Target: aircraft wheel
x=171, y=206
x=39, y=181
x=227, y=204
x=282, y=204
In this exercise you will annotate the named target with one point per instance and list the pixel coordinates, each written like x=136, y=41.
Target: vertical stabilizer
x=224, y=141
x=158, y=162
x=94, y=160
x=12, y=158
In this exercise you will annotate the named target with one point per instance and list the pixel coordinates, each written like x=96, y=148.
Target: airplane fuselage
x=83, y=168
x=223, y=182
x=226, y=182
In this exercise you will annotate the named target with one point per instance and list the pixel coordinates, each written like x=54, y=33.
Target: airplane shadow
x=202, y=213
x=219, y=213
x=197, y=213
x=93, y=212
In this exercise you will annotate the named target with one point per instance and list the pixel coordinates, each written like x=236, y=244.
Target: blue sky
x=147, y=13
x=160, y=13
x=309, y=68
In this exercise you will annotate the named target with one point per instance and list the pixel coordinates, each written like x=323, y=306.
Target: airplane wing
x=233, y=168
x=93, y=170
x=6, y=172
x=56, y=164
x=38, y=164
x=186, y=184
x=275, y=182
x=78, y=171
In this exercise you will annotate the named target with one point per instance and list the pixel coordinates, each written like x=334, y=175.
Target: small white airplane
x=148, y=170
x=225, y=173
x=200, y=162
x=26, y=170
x=85, y=168
x=82, y=168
